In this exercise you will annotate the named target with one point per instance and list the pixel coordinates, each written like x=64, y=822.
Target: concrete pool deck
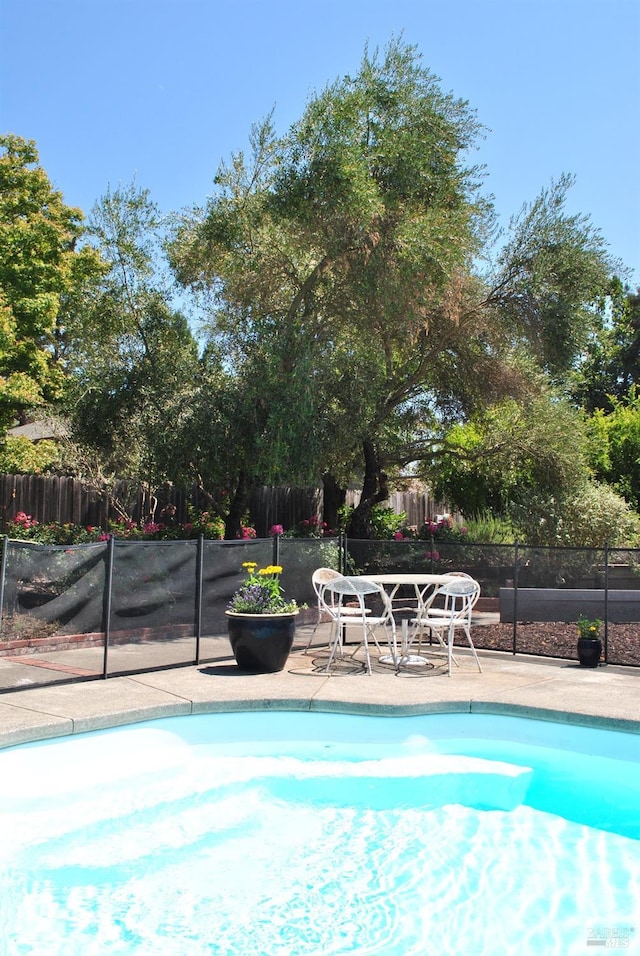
x=551, y=689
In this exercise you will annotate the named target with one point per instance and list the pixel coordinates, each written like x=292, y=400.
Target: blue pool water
x=297, y=834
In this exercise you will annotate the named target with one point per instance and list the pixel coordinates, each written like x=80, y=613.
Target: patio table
x=392, y=583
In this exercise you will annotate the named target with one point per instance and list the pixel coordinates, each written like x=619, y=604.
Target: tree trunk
x=333, y=498
x=375, y=488
x=237, y=508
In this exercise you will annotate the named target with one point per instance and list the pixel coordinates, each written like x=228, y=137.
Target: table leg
x=405, y=658
x=410, y=660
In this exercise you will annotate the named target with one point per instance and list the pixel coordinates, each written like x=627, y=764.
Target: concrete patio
x=547, y=689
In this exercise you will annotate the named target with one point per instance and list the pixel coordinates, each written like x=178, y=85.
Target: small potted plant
x=589, y=642
x=261, y=622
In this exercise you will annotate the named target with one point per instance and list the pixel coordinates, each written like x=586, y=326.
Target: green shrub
x=19, y=455
x=591, y=517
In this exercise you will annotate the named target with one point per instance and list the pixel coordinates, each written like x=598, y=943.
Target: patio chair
x=447, y=609
x=358, y=589
x=326, y=607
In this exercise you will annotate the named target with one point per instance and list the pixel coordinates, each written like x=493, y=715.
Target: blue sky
x=162, y=90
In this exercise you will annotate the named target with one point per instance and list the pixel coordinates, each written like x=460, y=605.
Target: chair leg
x=450, y=656
x=335, y=640
x=375, y=640
x=313, y=633
x=453, y=656
x=367, y=655
x=467, y=632
x=446, y=645
x=365, y=641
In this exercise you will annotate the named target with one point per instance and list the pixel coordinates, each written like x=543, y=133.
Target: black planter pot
x=589, y=651
x=261, y=643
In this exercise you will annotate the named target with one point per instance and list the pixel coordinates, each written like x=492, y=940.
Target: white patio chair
x=359, y=589
x=428, y=595
x=327, y=606
x=447, y=609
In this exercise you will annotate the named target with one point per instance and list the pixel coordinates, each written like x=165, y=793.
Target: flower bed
x=557, y=639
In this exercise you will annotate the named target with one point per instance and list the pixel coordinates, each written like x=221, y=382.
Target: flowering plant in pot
x=261, y=592
x=589, y=642
x=261, y=622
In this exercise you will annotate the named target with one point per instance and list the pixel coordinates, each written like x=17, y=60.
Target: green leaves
x=39, y=267
x=328, y=254
x=554, y=271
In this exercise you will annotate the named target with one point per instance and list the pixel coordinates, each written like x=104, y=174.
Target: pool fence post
x=198, y=595
x=606, y=601
x=516, y=561
x=3, y=572
x=106, y=611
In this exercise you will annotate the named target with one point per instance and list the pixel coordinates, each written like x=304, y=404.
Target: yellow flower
x=249, y=565
x=272, y=569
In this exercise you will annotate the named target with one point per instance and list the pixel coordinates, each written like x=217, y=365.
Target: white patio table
x=392, y=583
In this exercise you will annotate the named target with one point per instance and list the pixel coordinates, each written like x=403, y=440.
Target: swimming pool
x=296, y=833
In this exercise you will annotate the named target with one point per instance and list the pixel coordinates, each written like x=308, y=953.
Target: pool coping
x=553, y=690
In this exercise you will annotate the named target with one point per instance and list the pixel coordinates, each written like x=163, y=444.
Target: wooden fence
x=69, y=501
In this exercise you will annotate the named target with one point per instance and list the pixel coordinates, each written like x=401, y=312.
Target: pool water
x=287, y=834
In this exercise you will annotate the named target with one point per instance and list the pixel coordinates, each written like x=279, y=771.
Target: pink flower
x=25, y=520
x=276, y=529
x=151, y=527
x=397, y=536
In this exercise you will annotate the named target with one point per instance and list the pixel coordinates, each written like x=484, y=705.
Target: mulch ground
x=557, y=640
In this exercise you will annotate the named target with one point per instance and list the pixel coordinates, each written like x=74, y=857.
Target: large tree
x=40, y=265
x=343, y=265
x=131, y=356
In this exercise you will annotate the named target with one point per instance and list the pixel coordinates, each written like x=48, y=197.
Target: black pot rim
x=270, y=614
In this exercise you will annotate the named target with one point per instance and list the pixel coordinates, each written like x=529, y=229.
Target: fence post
x=108, y=593
x=276, y=550
x=606, y=601
x=199, y=580
x=3, y=571
x=516, y=562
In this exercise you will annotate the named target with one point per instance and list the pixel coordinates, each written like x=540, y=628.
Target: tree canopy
x=40, y=264
x=365, y=320
x=345, y=266
x=131, y=359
